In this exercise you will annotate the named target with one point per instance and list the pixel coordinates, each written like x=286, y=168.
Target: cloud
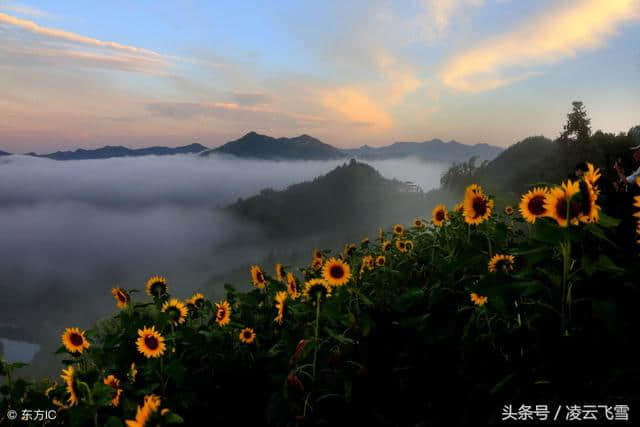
x=70, y=37
x=434, y=19
x=52, y=46
x=547, y=39
x=355, y=106
x=230, y=111
x=25, y=10
x=257, y=98
x=43, y=56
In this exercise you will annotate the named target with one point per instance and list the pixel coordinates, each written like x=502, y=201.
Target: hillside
x=353, y=197
x=255, y=145
x=4, y=153
x=434, y=150
x=109, y=151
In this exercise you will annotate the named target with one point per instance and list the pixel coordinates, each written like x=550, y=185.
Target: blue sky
x=350, y=73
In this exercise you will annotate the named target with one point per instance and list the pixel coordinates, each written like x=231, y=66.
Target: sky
x=88, y=74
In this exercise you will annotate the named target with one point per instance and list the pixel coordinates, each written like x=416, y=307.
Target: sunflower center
x=173, y=313
x=440, y=216
x=247, y=335
x=317, y=289
x=336, y=272
x=221, y=313
x=151, y=342
x=260, y=277
x=122, y=297
x=76, y=339
x=536, y=205
x=157, y=288
x=479, y=206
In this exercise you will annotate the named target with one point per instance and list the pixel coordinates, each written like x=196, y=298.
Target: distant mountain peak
x=255, y=145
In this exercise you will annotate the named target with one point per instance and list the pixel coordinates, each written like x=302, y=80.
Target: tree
x=578, y=127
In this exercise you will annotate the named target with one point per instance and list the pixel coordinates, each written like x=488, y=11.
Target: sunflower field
x=438, y=322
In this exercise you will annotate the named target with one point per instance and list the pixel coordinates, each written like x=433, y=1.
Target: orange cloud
x=69, y=36
x=355, y=106
x=546, y=39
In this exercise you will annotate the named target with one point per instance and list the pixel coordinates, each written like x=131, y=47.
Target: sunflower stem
x=565, y=248
x=315, y=350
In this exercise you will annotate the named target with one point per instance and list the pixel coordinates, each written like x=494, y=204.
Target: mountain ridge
x=302, y=147
x=115, y=151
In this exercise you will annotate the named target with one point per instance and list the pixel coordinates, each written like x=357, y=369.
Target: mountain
x=119, y=151
x=434, y=150
x=351, y=200
x=255, y=145
x=4, y=153
x=526, y=155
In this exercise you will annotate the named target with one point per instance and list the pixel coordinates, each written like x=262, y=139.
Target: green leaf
x=338, y=337
x=102, y=393
x=608, y=221
x=173, y=418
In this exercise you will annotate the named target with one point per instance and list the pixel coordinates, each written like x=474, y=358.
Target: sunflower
x=418, y=223
x=458, y=207
x=401, y=245
x=69, y=377
x=146, y=411
x=532, y=204
x=196, y=301
x=157, y=286
x=398, y=229
x=508, y=210
x=114, y=383
x=223, y=313
x=349, y=249
x=336, y=272
x=122, y=299
x=317, y=254
x=280, y=299
x=591, y=177
x=478, y=300
x=292, y=286
x=257, y=277
x=381, y=234
x=477, y=206
x=176, y=311
x=386, y=245
x=367, y=263
x=315, y=286
x=560, y=201
x=316, y=264
x=364, y=242
x=74, y=341
x=408, y=244
x=247, y=335
x=380, y=260
x=150, y=342
x=439, y=215
x=501, y=261
x=279, y=272
x=589, y=208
